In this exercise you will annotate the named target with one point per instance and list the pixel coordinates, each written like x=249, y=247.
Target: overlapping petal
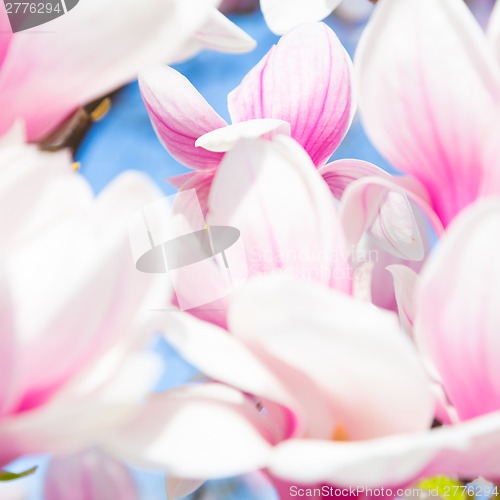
x=306, y=81
x=80, y=59
x=341, y=343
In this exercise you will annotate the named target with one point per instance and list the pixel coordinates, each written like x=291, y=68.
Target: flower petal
x=363, y=201
x=394, y=226
x=125, y=37
x=180, y=488
x=179, y=115
x=196, y=432
x=295, y=231
x=457, y=315
x=405, y=281
x=224, y=139
x=353, y=351
x=306, y=81
x=8, y=354
x=427, y=81
x=283, y=15
x=464, y=450
x=89, y=475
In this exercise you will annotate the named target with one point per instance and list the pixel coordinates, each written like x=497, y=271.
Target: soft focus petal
x=355, y=352
x=405, y=280
x=427, y=81
x=88, y=52
x=465, y=450
x=95, y=290
x=272, y=193
x=457, y=317
x=394, y=226
x=306, y=81
x=493, y=30
x=5, y=35
x=8, y=354
x=363, y=202
x=179, y=115
x=283, y=15
x=89, y=475
x=196, y=432
x=224, y=139
x=219, y=33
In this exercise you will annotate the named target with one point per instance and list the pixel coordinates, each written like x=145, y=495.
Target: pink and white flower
x=95, y=48
x=73, y=319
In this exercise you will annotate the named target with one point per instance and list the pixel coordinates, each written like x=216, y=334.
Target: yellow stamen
x=76, y=166
x=340, y=434
x=101, y=110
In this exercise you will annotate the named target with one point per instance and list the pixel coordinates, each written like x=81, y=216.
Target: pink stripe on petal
x=306, y=81
x=180, y=115
x=427, y=81
x=457, y=318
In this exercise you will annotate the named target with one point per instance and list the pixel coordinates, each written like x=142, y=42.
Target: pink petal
x=180, y=488
x=427, y=81
x=354, y=352
x=89, y=475
x=196, y=432
x=5, y=34
x=97, y=300
x=405, y=281
x=392, y=222
x=466, y=450
x=283, y=15
x=306, y=81
x=179, y=115
x=8, y=354
x=294, y=230
x=45, y=78
x=361, y=205
x=457, y=317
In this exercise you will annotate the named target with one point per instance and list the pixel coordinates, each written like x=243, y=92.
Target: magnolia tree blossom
x=95, y=48
x=72, y=304
x=302, y=87
x=429, y=89
x=319, y=387
x=299, y=358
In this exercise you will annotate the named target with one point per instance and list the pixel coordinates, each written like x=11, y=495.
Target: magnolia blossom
x=72, y=304
x=302, y=87
x=429, y=89
x=299, y=358
x=321, y=388
x=47, y=73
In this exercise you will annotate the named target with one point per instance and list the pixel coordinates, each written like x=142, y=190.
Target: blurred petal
x=405, y=281
x=125, y=37
x=219, y=33
x=272, y=193
x=363, y=202
x=89, y=475
x=224, y=139
x=465, y=450
x=427, y=81
x=394, y=225
x=458, y=317
x=493, y=30
x=355, y=352
x=5, y=35
x=95, y=290
x=8, y=354
x=196, y=432
x=306, y=81
x=180, y=115
x=283, y=15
